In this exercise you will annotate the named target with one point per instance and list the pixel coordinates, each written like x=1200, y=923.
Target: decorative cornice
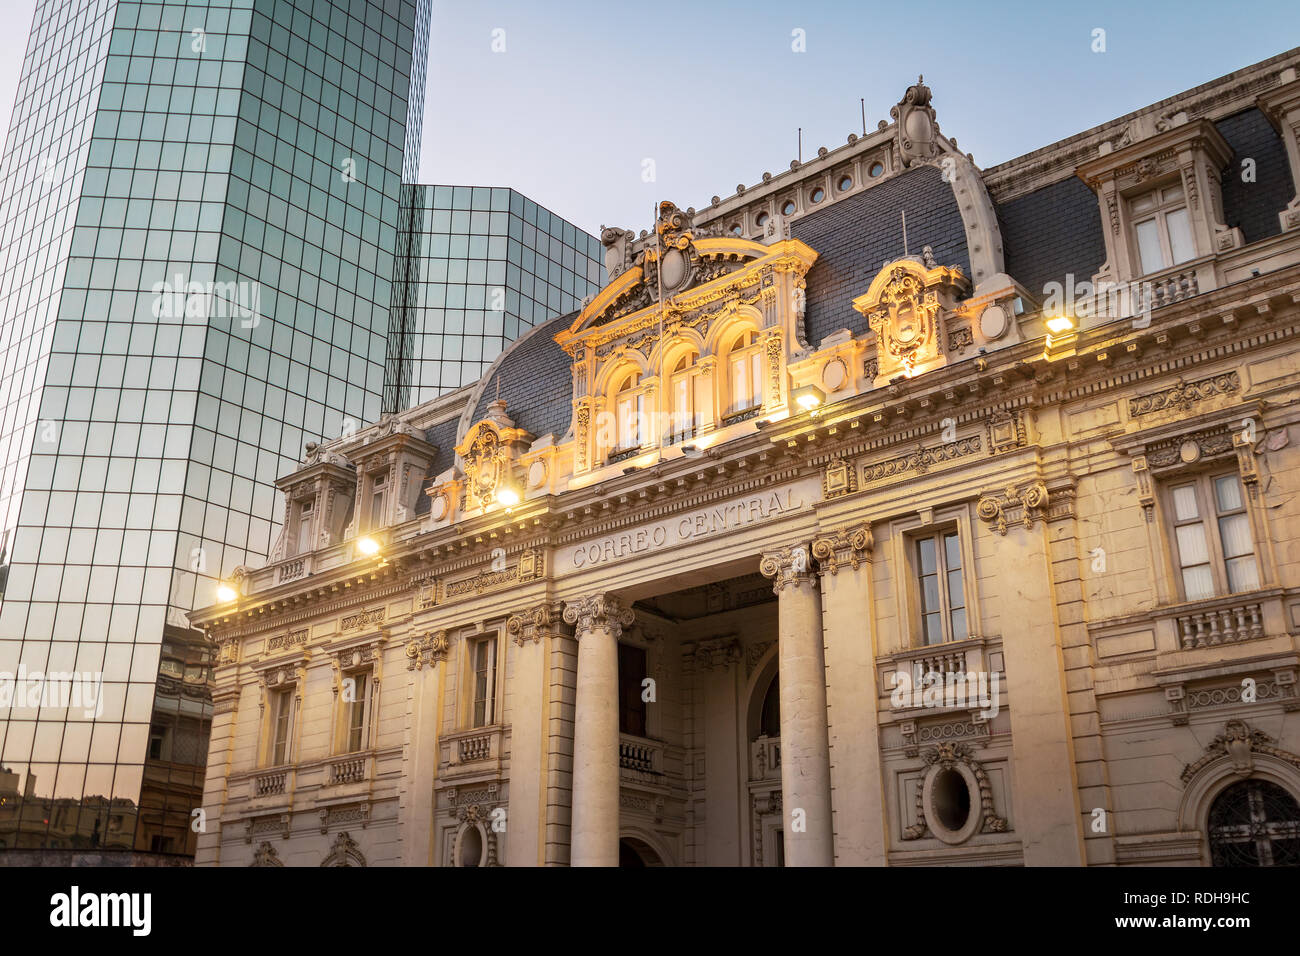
x=1240, y=742
x=1182, y=396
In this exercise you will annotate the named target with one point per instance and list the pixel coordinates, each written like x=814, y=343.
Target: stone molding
x=536, y=623
x=598, y=611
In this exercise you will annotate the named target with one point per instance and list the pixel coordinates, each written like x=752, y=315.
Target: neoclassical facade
x=891, y=511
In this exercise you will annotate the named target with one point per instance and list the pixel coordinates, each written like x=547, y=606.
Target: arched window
x=1254, y=823
x=629, y=414
x=687, y=405
x=769, y=721
x=470, y=850
x=745, y=373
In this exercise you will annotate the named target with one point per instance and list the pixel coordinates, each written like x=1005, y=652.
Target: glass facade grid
x=484, y=265
x=199, y=204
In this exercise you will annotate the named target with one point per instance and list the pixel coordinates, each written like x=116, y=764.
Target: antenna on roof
x=863, y=101
x=800, y=144
x=903, y=212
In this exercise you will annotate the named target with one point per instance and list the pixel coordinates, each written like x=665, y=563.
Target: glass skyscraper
x=478, y=266
x=199, y=218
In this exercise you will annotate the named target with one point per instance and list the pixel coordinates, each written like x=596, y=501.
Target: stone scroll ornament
x=1032, y=500
x=945, y=756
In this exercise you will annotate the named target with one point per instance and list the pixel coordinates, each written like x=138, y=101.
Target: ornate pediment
x=488, y=453
x=908, y=305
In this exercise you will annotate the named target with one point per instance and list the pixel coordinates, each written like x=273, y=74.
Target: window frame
x=749, y=343
x=305, y=521
x=1203, y=482
x=281, y=708
x=364, y=706
x=469, y=684
x=1159, y=215
x=903, y=531
x=938, y=537
x=636, y=394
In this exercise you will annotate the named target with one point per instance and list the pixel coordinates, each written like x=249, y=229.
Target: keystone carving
x=1239, y=742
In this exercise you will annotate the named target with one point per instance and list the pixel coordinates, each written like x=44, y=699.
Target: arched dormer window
x=629, y=414
x=688, y=402
x=745, y=373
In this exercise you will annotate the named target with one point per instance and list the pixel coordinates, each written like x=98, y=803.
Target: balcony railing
x=348, y=770
x=270, y=784
x=1223, y=624
x=640, y=754
x=476, y=747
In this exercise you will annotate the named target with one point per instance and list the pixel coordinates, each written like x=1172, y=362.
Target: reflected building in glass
x=198, y=217
x=478, y=266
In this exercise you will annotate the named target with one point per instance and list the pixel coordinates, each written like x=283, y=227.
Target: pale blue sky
x=713, y=93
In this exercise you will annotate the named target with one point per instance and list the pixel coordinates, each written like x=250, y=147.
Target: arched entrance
x=634, y=854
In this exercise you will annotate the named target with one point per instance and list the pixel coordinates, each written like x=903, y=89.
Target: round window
x=787, y=209
x=817, y=195
x=845, y=183
x=950, y=798
x=877, y=170
x=761, y=219
x=736, y=230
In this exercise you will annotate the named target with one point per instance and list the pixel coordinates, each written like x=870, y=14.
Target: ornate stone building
x=890, y=511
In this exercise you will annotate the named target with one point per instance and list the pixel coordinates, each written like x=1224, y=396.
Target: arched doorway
x=635, y=854
x=1254, y=823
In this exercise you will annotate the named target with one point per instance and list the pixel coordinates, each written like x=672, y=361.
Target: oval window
x=877, y=170
x=817, y=195
x=760, y=219
x=788, y=208
x=736, y=230
x=471, y=847
x=845, y=183
x=951, y=799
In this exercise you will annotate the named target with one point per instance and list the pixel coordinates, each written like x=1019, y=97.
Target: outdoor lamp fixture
x=808, y=397
x=225, y=593
x=1061, y=333
x=368, y=546
x=508, y=496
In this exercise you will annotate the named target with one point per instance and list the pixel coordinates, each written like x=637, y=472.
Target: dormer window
x=1162, y=229
x=305, y=537
x=745, y=373
x=629, y=413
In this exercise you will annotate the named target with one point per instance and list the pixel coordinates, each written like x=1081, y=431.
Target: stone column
x=843, y=559
x=805, y=756
x=598, y=620
x=526, y=819
x=426, y=654
x=225, y=704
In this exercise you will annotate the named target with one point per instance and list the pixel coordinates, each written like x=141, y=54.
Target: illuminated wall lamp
x=808, y=397
x=368, y=546
x=1061, y=333
x=226, y=594
x=508, y=497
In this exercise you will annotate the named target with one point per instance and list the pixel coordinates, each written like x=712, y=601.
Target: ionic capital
x=791, y=566
x=535, y=623
x=850, y=545
x=604, y=611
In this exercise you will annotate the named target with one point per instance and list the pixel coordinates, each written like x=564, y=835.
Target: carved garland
x=945, y=756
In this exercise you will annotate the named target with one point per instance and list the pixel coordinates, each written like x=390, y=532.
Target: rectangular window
x=483, y=667
x=1162, y=227
x=1212, y=540
x=746, y=381
x=357, y=713
x=377, y=502
x=305, y=538
x=632, y=710
x=281, y=709
x=942, y=597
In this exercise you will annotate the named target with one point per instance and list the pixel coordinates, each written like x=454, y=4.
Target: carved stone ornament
x=266, y=856
x=789, y=567
x=906, y=307
x=1239, y=742
x=603, y=611
x=839, y=478
x=845, y=546
x=918, y=133
x=955, y=756
x=427, y=651
x=344, y=852
x=534, y=624
x=718, y=652
x=1183, y=396
x=1031, y=500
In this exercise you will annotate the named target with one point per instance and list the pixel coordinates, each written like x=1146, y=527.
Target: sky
x=598, y=110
